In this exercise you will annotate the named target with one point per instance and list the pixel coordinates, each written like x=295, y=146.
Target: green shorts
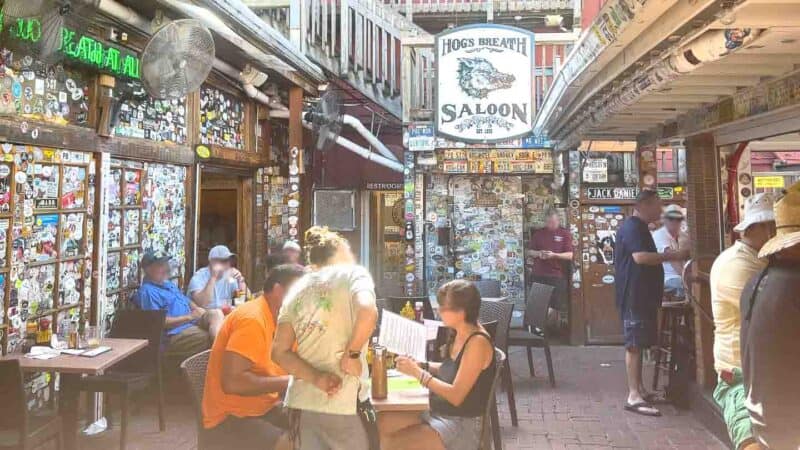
x=730, y=398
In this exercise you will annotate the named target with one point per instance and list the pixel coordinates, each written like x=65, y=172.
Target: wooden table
x=71, y=369
x=405, y=400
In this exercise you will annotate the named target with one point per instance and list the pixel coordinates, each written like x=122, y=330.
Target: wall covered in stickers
x=476, y=227
x=47, y=202
x=143, y=117
x=146, y=212
x=49, y=92
x=222, y=119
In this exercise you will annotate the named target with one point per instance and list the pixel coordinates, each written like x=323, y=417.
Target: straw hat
x=758, y=208
x=787, y=222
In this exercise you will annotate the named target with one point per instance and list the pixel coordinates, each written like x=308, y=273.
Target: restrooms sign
x=484, y=90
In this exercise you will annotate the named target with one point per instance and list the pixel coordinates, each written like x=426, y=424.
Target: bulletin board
x=147, y=212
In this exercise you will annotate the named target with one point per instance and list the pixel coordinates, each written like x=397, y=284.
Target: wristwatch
x=353, y=354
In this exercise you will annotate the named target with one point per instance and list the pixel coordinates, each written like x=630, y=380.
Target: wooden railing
x=356, y=40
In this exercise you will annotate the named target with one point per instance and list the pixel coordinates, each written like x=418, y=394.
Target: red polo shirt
x=557, y=241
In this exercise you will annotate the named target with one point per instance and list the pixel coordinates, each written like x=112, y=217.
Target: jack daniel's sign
x=484, y=90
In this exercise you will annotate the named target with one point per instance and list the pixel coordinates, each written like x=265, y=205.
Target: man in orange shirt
x=244, y=387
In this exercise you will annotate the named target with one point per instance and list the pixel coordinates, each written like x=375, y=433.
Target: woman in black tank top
x=459, y=387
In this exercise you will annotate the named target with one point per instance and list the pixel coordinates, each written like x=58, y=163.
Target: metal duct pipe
x=363, y=152
x=358, y=126
x=371, y=138
x=711, y=46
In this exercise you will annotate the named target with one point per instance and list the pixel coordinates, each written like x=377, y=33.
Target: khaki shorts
x=193, y=339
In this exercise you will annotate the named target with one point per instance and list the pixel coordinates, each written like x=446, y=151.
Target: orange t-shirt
x=248, y=331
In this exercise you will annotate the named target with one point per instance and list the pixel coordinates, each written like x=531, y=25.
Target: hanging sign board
x=619, y=193
x=484, y=85
x=421, y=138
x=770, y=182
x=596, y=170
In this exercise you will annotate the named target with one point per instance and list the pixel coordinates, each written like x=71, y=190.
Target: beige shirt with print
x=731, y=271
x=320, y=309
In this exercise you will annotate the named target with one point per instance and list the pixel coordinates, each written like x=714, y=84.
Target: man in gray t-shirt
x=214, y=286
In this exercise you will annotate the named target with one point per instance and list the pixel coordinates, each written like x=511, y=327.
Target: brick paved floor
x=584, y=411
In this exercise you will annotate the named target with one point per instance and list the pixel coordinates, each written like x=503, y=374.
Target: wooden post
x=295, y=117
x=705, y=232
x=296, y=141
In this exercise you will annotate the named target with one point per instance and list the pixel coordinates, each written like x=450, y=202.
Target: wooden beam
x=295, y=117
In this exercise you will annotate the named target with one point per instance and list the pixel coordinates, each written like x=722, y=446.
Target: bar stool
x=674, y=313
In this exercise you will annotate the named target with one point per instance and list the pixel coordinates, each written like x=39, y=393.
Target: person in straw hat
x=730, y=272
x=770, y=336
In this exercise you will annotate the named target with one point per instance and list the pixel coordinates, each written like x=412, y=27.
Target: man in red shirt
x=551, y=250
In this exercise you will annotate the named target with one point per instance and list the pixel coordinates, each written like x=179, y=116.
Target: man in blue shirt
x=187, y=324
x=639, y=290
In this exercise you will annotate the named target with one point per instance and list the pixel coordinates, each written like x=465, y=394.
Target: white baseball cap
x=757, y=209
x=220, y=252
x=673, y=212
x=292, y=245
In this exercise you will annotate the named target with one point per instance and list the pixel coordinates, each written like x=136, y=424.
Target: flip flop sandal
x=642, y=408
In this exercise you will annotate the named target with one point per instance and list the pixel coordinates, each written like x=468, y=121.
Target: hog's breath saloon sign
x=484, y=83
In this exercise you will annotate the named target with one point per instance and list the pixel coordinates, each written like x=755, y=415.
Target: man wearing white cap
x=670, y=238
x=771, y=333
x=731, y=271
x=292, y=251
x=214, y=286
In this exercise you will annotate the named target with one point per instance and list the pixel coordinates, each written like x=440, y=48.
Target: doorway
x=387, y=258
x=225, y=216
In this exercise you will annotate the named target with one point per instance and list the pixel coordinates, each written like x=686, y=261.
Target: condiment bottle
x=407, y=311
x=418, y=308
x=380, y=389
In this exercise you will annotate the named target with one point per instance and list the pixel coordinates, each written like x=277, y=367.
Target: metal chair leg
x=549, y=364
x=512, y=403
x=498, y=441
x=660, y=347
x=530, y=361
x=124, y=413
x=162, y=423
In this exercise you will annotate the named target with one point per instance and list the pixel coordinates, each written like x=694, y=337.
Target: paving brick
x=584, y=411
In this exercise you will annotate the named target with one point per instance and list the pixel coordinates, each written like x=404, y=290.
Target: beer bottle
x=380, y=388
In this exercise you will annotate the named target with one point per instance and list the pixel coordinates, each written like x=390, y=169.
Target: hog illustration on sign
x=478, y=77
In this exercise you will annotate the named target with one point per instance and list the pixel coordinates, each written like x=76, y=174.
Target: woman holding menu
x=460, y=386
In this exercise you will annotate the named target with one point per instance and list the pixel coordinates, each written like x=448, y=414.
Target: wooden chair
x=490, y=422
x=535, y=332
x=194, y=370
x=19, y=430
x=500, y=311
x=138, y=372
x=488, y=288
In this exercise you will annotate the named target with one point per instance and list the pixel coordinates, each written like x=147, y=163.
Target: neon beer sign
x=81, y=48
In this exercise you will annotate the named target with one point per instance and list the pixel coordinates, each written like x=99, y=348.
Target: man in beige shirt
x=731, y=271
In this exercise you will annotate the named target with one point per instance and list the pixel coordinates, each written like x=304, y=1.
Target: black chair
x=500, y=312
x=535, y=332
x=19, y=430
x=491, y=419
x=488, y=288
x=138, y=372
x=194, y=370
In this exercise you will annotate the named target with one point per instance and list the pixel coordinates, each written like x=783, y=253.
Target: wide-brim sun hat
x=787, y=223
x=758, y=209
